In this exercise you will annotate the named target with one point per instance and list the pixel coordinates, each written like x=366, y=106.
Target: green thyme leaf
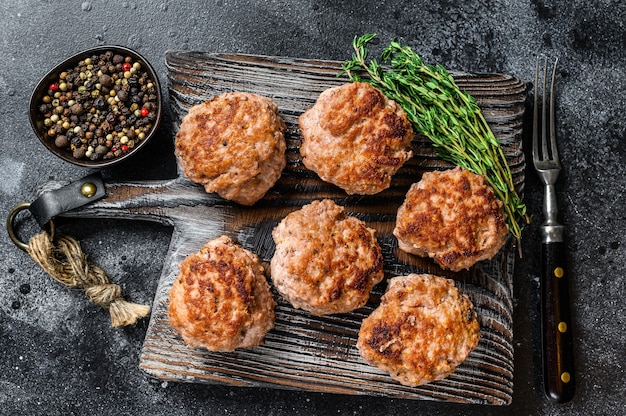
x=441, y=111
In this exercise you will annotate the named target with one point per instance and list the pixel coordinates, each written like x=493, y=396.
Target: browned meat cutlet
x=221, y=299
x=234, y=145
x=423, y=329
x=452, y=216
x=325, y=261
x=356, y=138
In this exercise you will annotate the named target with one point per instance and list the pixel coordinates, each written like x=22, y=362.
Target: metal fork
x=558, y=357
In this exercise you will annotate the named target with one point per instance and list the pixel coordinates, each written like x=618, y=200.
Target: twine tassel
x=67, y=264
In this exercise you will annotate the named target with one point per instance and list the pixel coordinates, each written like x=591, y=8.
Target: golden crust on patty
x=221, y=299
x=356, y=138
x=325, y=261
x=423, y=329
x=453, y=217
x=234, y=145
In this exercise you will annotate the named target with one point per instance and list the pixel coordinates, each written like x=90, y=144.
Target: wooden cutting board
x=302, y=351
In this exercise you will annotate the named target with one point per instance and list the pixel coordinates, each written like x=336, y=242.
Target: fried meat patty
x=452, y=216
x=356, y=138
x=421, y=331
x=221, y=299
x=234, y=145
x=325, y=261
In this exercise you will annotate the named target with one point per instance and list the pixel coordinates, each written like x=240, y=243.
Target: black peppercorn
x=105, y=80
x=61, y=141
x=95, y=104
x=79, y=153
x=99, y=103
x=77, y=109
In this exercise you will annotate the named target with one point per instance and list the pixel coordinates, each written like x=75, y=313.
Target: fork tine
x=536, y=115
x=544, y=139
x=555, y=153
x=544, y=148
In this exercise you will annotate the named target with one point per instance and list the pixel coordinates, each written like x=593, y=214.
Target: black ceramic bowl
x=37, y=118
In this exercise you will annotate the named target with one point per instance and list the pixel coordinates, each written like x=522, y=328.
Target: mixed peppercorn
x=101, y=108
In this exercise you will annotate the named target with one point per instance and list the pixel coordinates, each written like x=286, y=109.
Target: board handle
x=149, y=200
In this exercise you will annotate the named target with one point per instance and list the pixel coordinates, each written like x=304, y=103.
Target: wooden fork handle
x=558, y=356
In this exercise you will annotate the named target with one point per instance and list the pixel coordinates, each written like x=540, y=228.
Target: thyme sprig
x=441, y=111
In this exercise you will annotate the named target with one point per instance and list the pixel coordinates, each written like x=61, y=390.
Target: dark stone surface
x=59, y=354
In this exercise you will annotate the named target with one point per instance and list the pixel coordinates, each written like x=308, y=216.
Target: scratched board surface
x=303, y=351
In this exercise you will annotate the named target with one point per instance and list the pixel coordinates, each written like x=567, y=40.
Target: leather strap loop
x=58, y=201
